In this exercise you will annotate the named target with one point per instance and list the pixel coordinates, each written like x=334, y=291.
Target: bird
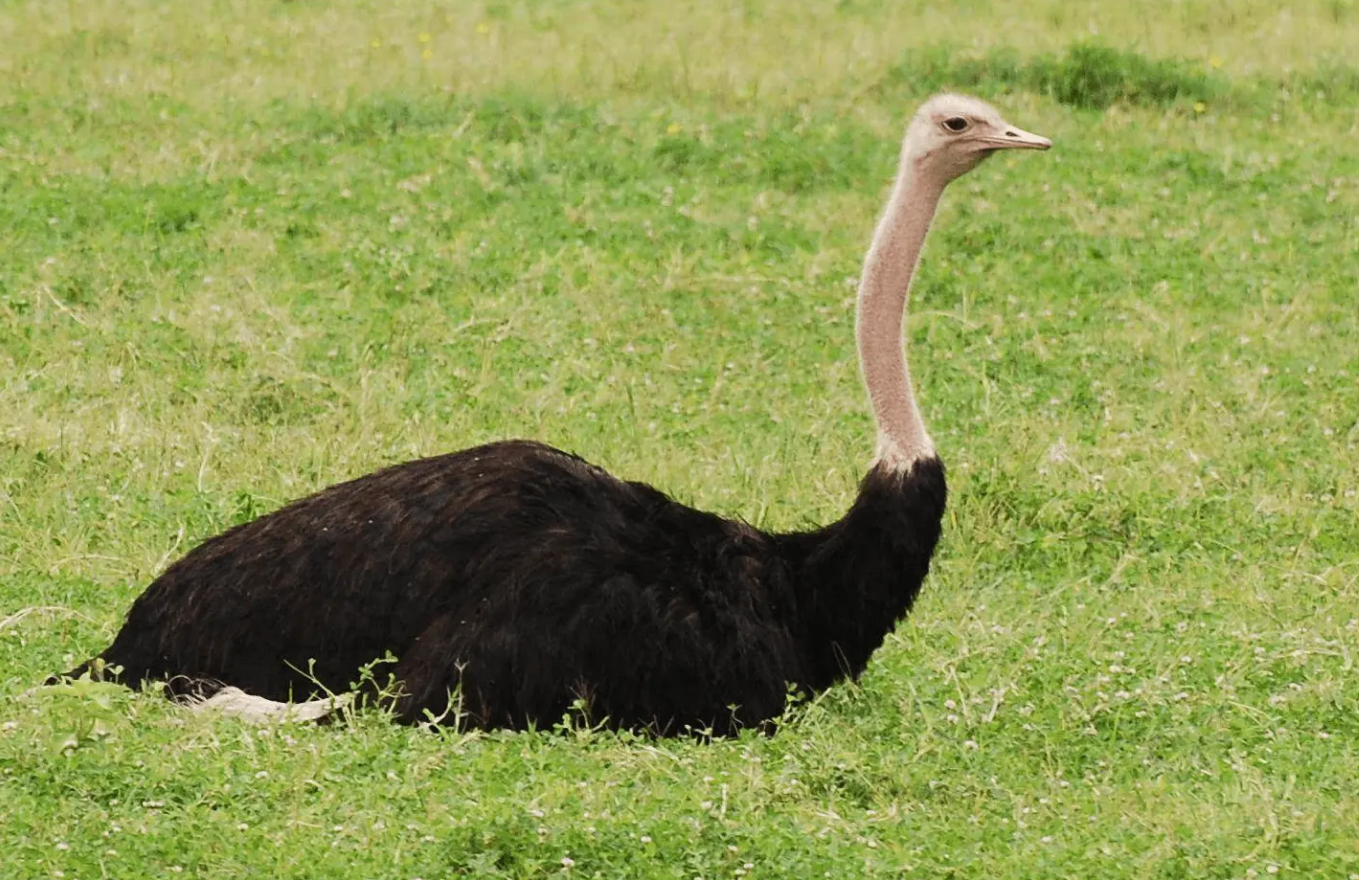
x=512, y=584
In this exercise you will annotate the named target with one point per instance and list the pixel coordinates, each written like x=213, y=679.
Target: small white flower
x=568, y=862
x=646, y=838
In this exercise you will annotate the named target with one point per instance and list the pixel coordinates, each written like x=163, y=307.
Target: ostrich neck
x=884, y=291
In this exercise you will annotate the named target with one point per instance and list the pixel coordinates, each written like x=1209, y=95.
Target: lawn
x=252, y=248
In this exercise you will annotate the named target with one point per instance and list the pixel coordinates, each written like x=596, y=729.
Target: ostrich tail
x=107, y=666
x=73, y=674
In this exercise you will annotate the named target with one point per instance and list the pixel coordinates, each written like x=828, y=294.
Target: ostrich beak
x=1012, y=138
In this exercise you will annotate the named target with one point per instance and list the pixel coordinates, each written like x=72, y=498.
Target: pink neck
x=883, y=294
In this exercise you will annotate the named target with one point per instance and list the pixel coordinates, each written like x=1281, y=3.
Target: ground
x=252, y=248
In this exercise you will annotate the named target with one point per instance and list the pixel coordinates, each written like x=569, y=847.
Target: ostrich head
x=951, y=134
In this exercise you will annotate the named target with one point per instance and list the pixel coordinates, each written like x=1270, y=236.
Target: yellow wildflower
x=426, y=54
x=483, y=28
x=376, y=43
x=673, y=128
x=1215, y=62
x=424, y=38
x=1199, y=106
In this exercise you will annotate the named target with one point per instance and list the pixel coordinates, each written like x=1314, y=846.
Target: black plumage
x=527, y=579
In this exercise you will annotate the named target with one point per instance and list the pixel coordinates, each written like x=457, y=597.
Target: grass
x=255, y=248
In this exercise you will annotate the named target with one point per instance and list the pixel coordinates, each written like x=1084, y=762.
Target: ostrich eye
x=955, y=123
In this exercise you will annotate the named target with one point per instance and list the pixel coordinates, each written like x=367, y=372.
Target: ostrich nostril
x=1012, y=134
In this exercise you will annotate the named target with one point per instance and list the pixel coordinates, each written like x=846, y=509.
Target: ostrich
x=517, y=579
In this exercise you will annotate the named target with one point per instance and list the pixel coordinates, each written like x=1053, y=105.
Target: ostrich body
x=524, y=579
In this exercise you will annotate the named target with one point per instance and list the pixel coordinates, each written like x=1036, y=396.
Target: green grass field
x=253, y=248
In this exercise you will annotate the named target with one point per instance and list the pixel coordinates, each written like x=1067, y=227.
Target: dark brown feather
x=526, y=579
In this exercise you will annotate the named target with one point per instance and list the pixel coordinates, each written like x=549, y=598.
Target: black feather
x=527, y=579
